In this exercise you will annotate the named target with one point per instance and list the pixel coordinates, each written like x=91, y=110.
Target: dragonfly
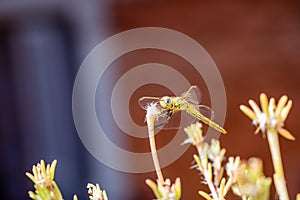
x=188, y=102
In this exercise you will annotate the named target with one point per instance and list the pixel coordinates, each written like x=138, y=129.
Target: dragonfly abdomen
x=192, y=111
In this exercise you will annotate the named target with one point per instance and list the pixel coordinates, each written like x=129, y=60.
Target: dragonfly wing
x=193, y=95
x=206, y=111
x=145, y=101
x=179, y=119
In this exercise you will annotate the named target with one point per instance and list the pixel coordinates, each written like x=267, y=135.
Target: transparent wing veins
x=192, y=95
x=145, y=101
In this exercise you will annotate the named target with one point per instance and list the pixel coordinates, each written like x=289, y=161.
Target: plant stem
x=244, y=197
x=279, y=179
x=150, y=123
x=212, y=189
x=206, y=173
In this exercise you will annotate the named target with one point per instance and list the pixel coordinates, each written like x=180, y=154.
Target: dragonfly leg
x=168, y=114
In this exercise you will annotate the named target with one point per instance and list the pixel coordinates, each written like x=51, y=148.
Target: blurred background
x=256, y=46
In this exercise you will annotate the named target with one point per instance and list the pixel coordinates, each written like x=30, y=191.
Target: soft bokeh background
x=256, y=46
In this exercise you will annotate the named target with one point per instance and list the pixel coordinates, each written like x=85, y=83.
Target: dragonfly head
x=166, y=102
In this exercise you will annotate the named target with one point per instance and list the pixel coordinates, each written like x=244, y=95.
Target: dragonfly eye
x=168, y=101
x=165, y=102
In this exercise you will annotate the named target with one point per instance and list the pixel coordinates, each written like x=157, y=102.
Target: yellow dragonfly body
x=170, y=105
